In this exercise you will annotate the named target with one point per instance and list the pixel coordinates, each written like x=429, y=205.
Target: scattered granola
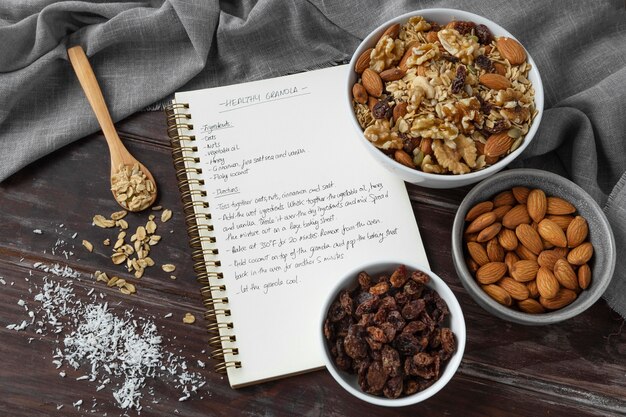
x=169, y=268
x=189, y=318
x=454, y=85
x=132, y=189
x=166, y=215
x=87, y=244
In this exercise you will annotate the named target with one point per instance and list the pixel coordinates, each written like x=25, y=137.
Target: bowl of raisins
x=392, y=334
x=443, y=98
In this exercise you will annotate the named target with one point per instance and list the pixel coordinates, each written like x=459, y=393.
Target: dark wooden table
x=576, y=368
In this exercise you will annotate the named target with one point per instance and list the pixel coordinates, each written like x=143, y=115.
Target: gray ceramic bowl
x=600, y=234
x=455, y=321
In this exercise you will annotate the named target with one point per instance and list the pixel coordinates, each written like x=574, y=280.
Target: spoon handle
x=90, y=86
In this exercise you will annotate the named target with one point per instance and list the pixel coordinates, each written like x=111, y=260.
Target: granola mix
x=454, y=98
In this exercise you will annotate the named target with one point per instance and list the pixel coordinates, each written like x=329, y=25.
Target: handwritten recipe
x=295, y=201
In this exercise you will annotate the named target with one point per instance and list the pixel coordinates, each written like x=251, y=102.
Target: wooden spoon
x=119, y=154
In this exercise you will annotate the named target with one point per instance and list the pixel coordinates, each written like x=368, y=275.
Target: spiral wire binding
x=198, y=226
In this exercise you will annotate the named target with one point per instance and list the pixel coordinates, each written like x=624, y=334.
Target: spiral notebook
x=280, y=200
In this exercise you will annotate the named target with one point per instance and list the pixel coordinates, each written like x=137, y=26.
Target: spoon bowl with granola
x=443, y=98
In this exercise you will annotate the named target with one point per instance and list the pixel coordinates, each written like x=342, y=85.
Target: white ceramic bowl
x=455, y=321
x=415, y=176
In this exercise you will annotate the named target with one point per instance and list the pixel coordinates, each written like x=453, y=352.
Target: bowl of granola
x=443, y=98
x=392, y=334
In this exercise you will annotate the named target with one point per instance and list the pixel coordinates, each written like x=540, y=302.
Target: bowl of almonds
x=443, y=98
x=532, y=247
x=392, y=334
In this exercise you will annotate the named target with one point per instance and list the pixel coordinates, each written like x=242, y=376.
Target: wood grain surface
x=576, y=368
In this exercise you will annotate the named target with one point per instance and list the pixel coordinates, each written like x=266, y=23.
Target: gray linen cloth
x=143, y=51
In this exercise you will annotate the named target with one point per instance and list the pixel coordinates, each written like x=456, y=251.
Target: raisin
x=341, y=328
x=412, y=288
x=406, y=344
x=401, y=298
x=377, y=334
x=435, y=339
x=381, y=316
x=382, y=110
x=336, y=312
x=380, y=288
x=499, y=126
x=411, y=386
x=360, y=367
x=355, y=345
x=485, y=107
x=412, y=309
x=399, y=277
x=373, y=344
x=447, y=341
x=409, y=143
x=459, y=81
x=366, y=319
x=376, y=377
x=365, y=281
x=367, y=306
x=346, y=302
x=390, y=331
x=391, y=361
x=362, y=297
x=393, y=388
x=450, y=58
x=464, y=27
x=328, y=330
x=396, y=320
x=388, y=303
x=485, y=63
x=414, y=327
x=434, y=26
x=420, y=277
x=343, y=362
x=424, y=365
x=483, y=34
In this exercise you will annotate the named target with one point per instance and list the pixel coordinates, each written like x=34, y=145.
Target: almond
x=537, y=204
x=494, y=81
x=359, y=93
x=399, y=110
x=481, y=222
x=516, y=216
x=516, y=290
x=509, y=259
x=562, y=221
x=531, y=306
x=577, y=231
x=565, y=274
x=584, y=276
x=524, y=253
x=559, y=206
x=532, y=288
x=563, y=297
x=426, y=146
x=500, y=68
x=498, y=294
x=372, y=82
x=501, y=211
x=489, y=232
x=421, y=70
x=404, y=158
x=524, y=270
x=546, y=245
x=528, y=237
x=407, y=54
x=392, y=74
x=497, y=145
x=561, y=251
x=363, y=61
x=551, y=232
x=511, y=50
x=478, y=209
x=547, y=284
x=472, y=265
x=495, y=252
x=548, y=258
x=431, y=37
x=520, y=194
x=505, y=198
x=392, y=31
x=508, y=239
x=470, y=237
x=478, y=253
x=371, y=102
x=490, y=272
x=580, y=254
